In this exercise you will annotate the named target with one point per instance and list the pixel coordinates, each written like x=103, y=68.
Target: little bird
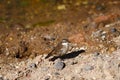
x=62, y=48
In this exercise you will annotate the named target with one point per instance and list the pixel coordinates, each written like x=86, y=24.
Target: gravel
x=88, y=67
x=1, y=78
x=74, y=62
x=113, y=30
x=47, y=78
x=96, y=54
x=59, y=65
x=33, y=65
x=104, y=67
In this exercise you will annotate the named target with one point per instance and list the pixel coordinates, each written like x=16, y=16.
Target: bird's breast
x=64, y=48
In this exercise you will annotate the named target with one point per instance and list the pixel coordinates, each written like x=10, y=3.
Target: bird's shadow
x=68, y=56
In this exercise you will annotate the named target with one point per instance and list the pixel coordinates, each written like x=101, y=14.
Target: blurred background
x=44, y=12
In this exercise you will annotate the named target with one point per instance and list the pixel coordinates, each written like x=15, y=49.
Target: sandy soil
x=92, y=26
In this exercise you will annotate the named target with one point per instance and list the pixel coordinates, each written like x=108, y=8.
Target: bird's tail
x=49, y=54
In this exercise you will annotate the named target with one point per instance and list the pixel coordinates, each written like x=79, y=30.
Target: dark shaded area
x=68, y=56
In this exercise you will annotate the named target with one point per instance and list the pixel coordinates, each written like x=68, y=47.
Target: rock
x=75, y=78
x=85, y=2
x=1, y=77
x=88, y=67
x=100, y=7
x=97, y=33
x=44, y=69
x=74, y=62
x=103, y=35
x=113, y=30
x=93, y=25
x=111, y=49
x=48, y=37
x=59, y=65
x=61, y=7
x=33, y=65
x=47, y=78
x=56, y=73
x=96, y=54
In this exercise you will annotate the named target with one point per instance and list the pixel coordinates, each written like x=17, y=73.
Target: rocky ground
x=98, y=61
x=94, y=66
x=92, y=27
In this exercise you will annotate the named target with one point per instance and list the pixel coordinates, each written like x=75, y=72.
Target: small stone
x=93, y=25
x=113, y=29
x=97, y=33
x=85, y=2
x=44, y=69
x=103, y=37
x=56, y=73
x=96, y=54
x=59, y=65
x=74, y=62
x=75, y=78
x=61, y=7
x=47, y=78
x=100, y=7
x=17, y=55
x=1, y=77
x=88, y=67
x=111, y=49
x=33, y=65
x=6, y=78
x=28, y=26
x=48, y=37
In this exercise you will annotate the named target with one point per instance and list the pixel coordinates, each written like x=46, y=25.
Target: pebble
x=48, y=37
x=111, y=49
x=47, y=78
x=59, y=65
x=56, y=73
x=103, y=37
x=93, y=25
x=1, y=77
x=75, y=78
x=100, y=7
x=44, y=69
x=33, y=65
x=88, y=67
x=97, y=33
x=96, y=54
x=113, y=29
x=74, y=62
x=61, y=7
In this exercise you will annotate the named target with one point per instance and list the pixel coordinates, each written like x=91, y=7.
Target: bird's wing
x=53, y=51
